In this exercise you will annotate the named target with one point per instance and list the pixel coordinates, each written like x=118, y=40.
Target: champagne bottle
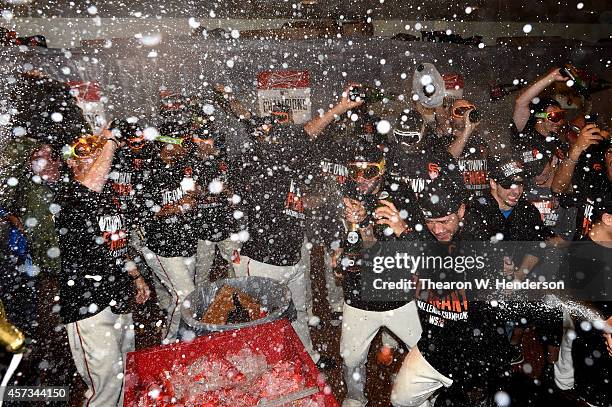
x=579, y=82
x=370, y=94
x=497, y=92
x=10, y=337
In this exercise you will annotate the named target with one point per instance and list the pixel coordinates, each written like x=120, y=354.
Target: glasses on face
x=365, y=170
x=85, y=147
x=460, y=111
x=136, y=143
x=554, y=117
x=508, y=184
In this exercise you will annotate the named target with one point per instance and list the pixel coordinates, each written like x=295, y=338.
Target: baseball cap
x=441, y=197
x=506, y=171
x=428, y=85
x=408, y=129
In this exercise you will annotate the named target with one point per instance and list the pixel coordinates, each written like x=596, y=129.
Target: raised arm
x=562, y=181
x=521, y=104
x=317, y=124
x=96, y=176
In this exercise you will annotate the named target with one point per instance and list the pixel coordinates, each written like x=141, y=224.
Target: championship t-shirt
x=419, y=168
x=534, y=149
x=458, y=332
x=214, y=218
x=473, y=165
x=275, y=178
x=172, y=235
x=126, y=177
x=93, y=238
x=557, y=219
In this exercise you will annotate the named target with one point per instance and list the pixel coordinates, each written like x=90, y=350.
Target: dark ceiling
x=553, y=11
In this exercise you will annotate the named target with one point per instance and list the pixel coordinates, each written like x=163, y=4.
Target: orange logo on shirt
x=434, y=170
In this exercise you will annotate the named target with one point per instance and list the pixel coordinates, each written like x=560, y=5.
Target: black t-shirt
x=557, y=220
x=126, y=178
x=473, y=165
x=332, y=155
x=93, y=238
x=534, y=149
x=173, y=235
x=484, y=221
x=214, y=219
x=403, y=200
x=589, y=185
x=460, y=336
x=274, y=179
x=419, y=168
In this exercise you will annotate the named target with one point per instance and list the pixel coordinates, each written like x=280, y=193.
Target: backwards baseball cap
x=408, y=128
x=441, y=197
x=506, y=171
x=428, y=85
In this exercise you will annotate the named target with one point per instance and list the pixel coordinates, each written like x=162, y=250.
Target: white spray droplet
x=383, y=127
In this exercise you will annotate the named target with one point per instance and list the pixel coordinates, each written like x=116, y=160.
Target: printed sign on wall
x=291, y=88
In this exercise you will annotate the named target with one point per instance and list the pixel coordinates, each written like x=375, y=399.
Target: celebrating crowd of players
x=112, y=214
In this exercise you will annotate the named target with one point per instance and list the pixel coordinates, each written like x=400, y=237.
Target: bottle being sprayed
x=370, y=94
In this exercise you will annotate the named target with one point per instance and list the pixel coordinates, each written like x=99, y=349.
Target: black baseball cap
x=506, y=171
x=440, y=197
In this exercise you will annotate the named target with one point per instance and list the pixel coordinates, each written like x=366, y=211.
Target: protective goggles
x=554, y=117
x=365, y=170
x=407, y=137
x=136, y=143
x=84, y=147
x=460, y=111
